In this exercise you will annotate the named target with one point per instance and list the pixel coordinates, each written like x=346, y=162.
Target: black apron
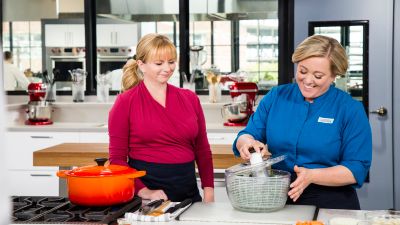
x=343, y=197
x=178, y=181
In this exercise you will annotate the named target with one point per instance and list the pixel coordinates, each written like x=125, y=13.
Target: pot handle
x=62, y=173
x=140, y=173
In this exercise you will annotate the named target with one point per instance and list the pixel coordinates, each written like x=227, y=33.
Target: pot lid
x=101, y=170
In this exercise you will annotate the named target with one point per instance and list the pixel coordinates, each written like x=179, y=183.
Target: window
x=25, y=41
x=353, y=35
x=258, y=51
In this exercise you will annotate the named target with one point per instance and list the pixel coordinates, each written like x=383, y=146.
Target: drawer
x=32, y=183
x=221, y=138
x=21, y=145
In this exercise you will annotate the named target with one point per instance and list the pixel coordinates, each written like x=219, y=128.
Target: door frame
x=396, y=103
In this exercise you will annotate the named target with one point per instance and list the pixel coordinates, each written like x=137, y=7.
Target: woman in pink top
x=160, y=128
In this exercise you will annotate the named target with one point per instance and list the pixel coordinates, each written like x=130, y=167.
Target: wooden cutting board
x=224, y=212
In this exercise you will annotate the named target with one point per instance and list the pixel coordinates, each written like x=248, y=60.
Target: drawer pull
x=41, y=175
x=37, y=137
x=216, y=138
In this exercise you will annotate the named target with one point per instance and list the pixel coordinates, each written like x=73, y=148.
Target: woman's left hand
x=208, y=194
x=304, y=178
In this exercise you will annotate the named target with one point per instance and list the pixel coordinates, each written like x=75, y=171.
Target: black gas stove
x=59, y=210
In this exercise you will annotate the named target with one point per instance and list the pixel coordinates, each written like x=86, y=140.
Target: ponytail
x=131, y=76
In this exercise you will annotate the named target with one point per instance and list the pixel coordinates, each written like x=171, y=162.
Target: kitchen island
x=67, y=155
x=83, y=154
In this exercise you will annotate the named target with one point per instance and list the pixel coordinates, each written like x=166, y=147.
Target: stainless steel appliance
x=109, y=59
x=65, y=59
x=39, y=110
x=244, y=95
x=59, y=210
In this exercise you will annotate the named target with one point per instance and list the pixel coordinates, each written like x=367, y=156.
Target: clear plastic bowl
x=258, y=194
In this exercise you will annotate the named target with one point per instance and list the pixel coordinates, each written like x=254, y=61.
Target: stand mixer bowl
x=234, y=112
x=39, y=111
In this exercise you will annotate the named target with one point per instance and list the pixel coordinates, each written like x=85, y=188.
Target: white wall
x=380, y=16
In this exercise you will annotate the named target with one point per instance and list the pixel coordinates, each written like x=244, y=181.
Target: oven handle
x=67, y=57
x=125, y=57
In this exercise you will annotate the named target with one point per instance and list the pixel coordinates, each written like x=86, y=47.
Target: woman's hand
x=304, y=178
x=146, y=193
x=208, y=194
x=257, y=145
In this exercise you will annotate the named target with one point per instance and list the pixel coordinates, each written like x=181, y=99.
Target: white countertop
x=100, y=127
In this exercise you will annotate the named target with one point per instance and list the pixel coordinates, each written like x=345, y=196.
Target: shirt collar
x=319, y=99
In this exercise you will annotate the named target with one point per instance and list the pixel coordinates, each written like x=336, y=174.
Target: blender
x=239, y=111
x=198, y=57
x=39, y=110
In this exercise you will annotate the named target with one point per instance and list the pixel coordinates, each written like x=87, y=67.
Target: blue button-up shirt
x=333, y=130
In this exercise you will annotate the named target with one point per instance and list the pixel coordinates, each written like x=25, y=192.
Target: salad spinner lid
x=246, y=167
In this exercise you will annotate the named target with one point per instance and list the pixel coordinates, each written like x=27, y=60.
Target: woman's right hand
x=246, y=142
x=146, y=193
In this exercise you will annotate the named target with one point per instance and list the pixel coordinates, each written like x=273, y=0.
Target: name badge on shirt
x=325, y=120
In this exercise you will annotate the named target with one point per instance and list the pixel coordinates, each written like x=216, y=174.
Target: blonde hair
x=150, y=47
x=323, y=46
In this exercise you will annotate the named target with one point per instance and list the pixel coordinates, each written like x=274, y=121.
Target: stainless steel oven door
x=64, y=64
x=107, y=64
x=112, y=65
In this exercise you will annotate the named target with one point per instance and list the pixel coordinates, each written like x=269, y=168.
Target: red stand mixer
x=39, y=110
x=244, y=97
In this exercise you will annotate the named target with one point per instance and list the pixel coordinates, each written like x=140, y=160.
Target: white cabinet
x=117, y=35
x=24, y=178
x=64, y=35
x=93, y=137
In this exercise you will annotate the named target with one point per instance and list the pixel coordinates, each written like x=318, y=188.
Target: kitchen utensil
x=39, y=111
x=180, y=205
x=234, y=112
x=246, y=168
x=36, y=91
x=244, y=94
x=100, y=185
x=78, y=77
x=160, y=209
x=150, y=206
x=250, y=193
x=381, y=217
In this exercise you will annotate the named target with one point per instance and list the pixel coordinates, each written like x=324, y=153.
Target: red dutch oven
x=100, y=185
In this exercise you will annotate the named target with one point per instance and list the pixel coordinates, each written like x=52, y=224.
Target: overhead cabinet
x=117, y=35
x=64, y=35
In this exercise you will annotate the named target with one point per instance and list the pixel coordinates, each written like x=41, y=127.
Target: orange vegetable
x=309, y=223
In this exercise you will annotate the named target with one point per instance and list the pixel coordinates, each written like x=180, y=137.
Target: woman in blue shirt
x=324, y=132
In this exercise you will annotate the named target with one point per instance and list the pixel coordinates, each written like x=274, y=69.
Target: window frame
x=285, y=45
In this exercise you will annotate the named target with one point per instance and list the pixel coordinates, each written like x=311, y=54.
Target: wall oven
x=110, y=61
x=64, y=59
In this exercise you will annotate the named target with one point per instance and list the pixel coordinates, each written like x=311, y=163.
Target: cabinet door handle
x=42, y=137
x=41, y=175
